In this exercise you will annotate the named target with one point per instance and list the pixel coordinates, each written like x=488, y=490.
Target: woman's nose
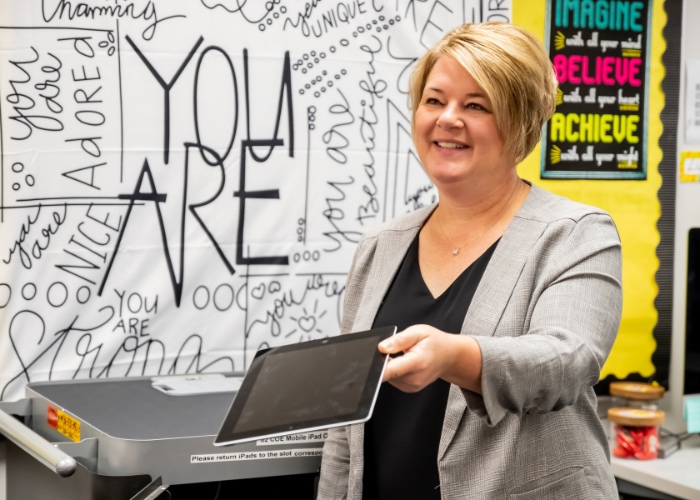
x=450, y=118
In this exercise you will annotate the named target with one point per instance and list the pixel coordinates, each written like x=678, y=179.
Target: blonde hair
x=512, y=67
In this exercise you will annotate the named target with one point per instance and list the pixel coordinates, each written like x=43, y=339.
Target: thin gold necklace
x=457, y=248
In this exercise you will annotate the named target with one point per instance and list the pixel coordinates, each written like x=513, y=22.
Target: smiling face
x=455, y=130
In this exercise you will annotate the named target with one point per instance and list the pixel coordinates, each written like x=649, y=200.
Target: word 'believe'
x=605, y=70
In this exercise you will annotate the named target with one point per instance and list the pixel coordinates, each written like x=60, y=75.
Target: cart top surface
x=132, y=409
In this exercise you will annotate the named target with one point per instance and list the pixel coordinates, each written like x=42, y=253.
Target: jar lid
x=636, y=390
x=636, y=417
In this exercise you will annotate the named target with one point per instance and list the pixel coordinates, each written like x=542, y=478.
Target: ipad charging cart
x=143, y=438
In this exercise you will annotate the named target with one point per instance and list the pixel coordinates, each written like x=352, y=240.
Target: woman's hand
x=430, y=354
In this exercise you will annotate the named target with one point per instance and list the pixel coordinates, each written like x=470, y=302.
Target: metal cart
x=144, y=438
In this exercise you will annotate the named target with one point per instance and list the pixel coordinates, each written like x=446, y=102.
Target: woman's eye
x=432, y=100
x=478, y=107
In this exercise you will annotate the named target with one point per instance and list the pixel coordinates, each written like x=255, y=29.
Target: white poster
x=184, y=182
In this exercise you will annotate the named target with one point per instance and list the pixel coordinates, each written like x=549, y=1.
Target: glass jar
x=636, y=395
x=636, y=432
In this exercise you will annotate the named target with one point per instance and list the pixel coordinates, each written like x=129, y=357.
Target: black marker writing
x=335, y=215
x=65, y=9
x=23, y=103
x=334, y=139
x=41, y=241
x=374, y=87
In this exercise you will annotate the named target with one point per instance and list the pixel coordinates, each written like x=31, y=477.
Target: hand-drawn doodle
x=183, y=183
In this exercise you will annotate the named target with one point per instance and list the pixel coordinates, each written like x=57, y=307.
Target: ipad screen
x=307, y=386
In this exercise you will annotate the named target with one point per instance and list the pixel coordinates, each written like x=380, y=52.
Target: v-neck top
x=403, y=435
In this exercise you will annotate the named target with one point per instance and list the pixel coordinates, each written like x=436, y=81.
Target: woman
x=509, y=299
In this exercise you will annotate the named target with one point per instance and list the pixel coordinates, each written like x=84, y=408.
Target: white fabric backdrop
x=183, y=182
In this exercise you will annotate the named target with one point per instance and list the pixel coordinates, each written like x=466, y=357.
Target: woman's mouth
x=450, y=145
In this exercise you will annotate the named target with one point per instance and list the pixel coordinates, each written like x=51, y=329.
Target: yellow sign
x=68, y=426
x=63, y=423
x=690, y=166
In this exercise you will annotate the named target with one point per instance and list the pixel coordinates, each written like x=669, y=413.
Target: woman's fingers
x=402, y=341
x=421, y=362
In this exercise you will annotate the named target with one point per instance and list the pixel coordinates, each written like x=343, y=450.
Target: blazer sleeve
x=575, y=310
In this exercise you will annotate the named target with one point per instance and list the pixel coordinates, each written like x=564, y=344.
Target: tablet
x=307, y=386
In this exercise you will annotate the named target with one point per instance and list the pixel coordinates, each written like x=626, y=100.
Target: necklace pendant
x=455, y=251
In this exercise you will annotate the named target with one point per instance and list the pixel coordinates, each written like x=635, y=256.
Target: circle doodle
x=29, y=291
x=5, y=294
x=78, y=295
x=57, y=301
x=197, y=293
x=225, y=287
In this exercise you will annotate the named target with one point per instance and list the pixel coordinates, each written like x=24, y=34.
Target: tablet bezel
x=227, y=434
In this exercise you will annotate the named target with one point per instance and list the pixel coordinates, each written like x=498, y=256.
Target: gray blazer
x=545, y=314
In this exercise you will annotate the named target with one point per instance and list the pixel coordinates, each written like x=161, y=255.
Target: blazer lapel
x=391, y=248
x=390, y=251
x=492, y=296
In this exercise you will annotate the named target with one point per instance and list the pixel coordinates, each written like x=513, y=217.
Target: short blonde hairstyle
x=512, y=67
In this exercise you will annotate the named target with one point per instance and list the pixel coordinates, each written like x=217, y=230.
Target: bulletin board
x=185, y=182
x=604, y=147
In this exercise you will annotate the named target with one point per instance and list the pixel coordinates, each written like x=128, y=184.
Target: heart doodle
x=259, y=291
x=307, y=323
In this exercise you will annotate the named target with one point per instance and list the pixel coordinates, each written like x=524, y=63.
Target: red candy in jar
x=636, y=432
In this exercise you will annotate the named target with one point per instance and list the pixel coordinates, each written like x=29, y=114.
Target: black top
x=403, y=435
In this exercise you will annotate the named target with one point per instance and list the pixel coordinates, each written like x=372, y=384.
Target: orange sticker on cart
x=68, y=426
x=52, y=416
